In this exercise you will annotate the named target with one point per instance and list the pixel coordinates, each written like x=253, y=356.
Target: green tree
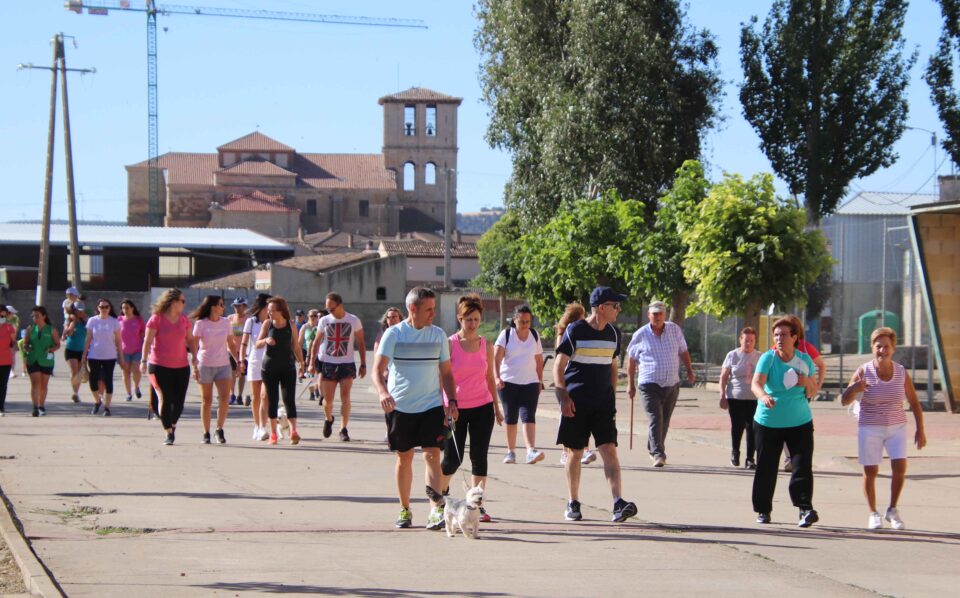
x=590, y=95
x=748, y=249
x=939, y=76
x=498, y=254
x=824, y=88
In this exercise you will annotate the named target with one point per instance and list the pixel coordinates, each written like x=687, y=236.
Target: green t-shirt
x=41, y=343
x=792, y=408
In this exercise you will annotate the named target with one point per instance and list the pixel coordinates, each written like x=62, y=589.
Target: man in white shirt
x=337, y=332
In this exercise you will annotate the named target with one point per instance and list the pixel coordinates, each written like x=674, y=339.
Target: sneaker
x=875, y=521
x=294, y=438
x=106, y=412
x=36, y=412
x=435, y=520
x=573, y=511
x=510, y=457
x=763, y=517
x=264, y=433
x=313, y=395
x=256, y=433
x=273, y=439
x=327, y=428
x=169, y=439
x=405, y=519
x=659, y=461
x=623, y=510
x=588, y=457
x=535, y=456
x=129, y=398
x=788, y=466
x=749, y=464
x=484, y=517
x=247, y=401
x=136, y=391
x=233, y=400
x=96, y=409
x=563, y=457
x=344, y=435
x=42, y=410
x=808, y=517
x=221, y=439
x=319, y=400
x=75, y=398
x=893, y=517
x=206, y=438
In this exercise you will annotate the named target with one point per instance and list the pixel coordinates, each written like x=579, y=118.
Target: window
x=311, y=207
x=431, y=121
x=409, y=121
x=430, y=174
x=364, y=208
x=282, y=160
x=381, y=293
x=439, y=270
x=409, y=177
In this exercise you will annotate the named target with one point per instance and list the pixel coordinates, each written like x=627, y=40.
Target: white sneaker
x=510, y=457
x=563, y=457
x=659, y=461
x=875, y=522
x=256, y=432
x=893, y=517
x=264, y=433
x=534, y=456
x=588, y=457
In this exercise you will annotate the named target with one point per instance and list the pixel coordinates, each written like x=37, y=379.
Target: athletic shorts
x=410, y=430
x=872, y=440
x=334, y=372
x=519, y=402
x=211, y=374
x=78, y=355
x=574, y=432
x=33, y=368
x=132, y=358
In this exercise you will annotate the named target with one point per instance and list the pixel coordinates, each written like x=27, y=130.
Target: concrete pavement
x=109, y=510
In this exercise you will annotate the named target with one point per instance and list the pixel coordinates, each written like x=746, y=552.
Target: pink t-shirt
x=470, y=374
x=212, y=337
x=169, y=348
x=132, y=331
x=8, y=335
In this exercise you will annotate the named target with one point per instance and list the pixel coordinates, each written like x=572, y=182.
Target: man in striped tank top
x=880, y=386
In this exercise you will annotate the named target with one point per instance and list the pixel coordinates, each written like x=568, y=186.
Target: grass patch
x=109, y=529
x=77, y=512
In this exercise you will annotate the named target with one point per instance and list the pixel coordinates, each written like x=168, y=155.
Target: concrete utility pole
x=59, y=66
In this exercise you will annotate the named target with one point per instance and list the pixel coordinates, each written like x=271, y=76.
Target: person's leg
x=750, y=411
x=870, y=485
x=135, y=371
x=223, y=395
x=572, y=470
x=106, y=380
x=652, y=397
x=528, y=414
x=96, y=371
x=329, y=390
x=182, y=381
x=769, y=445
x=345, y=385
x=611, y=467
x=800, y=442
x=256, y=387
x=4, y=380
x=161, y=379
x=125, y=374
x=404, y=476
x=74, y=378
x=511, y=414
x=35, y=388
x=670, y=396
x=897, y=479
x=271, y=382
x=206, y=405
x=736, y=428
x=44, y=385
x=480, y=429
x=432, y=475
x=453, y=451
x=288, y=391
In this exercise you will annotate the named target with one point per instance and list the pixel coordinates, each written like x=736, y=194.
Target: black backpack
x=506, y=341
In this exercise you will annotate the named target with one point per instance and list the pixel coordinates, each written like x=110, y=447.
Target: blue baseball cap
x=601, y=295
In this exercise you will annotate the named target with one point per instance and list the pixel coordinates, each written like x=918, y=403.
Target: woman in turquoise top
x=76, y=334
x=783, y=382
x=41, y=344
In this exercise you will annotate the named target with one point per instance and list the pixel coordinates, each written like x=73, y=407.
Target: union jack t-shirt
x=338, y=335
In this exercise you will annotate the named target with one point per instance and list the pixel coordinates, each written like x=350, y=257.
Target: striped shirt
x=415, y=355
x=882, y=403
x=658, y=356
x=591, y=353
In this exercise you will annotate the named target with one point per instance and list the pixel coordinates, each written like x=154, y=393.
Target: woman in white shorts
x=217, y=346
x=884, y=384
x=252, y=365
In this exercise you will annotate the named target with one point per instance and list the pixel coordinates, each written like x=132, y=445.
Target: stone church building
x=260, y=183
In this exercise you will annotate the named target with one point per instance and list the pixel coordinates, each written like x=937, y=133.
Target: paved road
x=110, y=511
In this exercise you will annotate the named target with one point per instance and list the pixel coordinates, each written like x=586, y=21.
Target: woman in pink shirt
x=132, y=332
x=471, y=358
x=214, y=334
x=8, y=339
x=168, y=336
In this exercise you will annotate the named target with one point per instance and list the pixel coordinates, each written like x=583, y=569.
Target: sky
x=315, y=87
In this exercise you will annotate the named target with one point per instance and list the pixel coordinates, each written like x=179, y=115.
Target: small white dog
x=464, y=514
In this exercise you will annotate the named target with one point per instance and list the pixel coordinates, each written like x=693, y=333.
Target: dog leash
x=453, y=428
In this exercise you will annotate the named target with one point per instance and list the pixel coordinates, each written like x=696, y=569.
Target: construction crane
x=102, y=7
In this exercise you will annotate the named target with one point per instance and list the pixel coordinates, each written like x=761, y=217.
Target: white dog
x=464, y=514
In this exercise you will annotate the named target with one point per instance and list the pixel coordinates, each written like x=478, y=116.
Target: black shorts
x=78, y=355
x=334, y=372
x=410, y=430
x=233, y=363
x=601, y=421
x=33, y=368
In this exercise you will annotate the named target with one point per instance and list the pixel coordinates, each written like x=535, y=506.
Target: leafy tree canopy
x=939, y=76
x=498, y=254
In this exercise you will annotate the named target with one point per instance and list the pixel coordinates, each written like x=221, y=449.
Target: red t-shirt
x=8, y=336
x=169, y=348
x=805, y=347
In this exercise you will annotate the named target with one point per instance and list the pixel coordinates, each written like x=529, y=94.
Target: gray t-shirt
x=742, y=366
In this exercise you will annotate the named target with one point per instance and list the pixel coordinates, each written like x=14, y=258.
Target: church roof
x=258, y=201
x=255, y=142
x=419, y=94
x=258, y=167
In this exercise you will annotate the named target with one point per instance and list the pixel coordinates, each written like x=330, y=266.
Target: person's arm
x=86, y=345
x=685, y=358
x=450, y=388
x=856, y=387
x=808, y=382
x=560, y=384
x=297, y=352
x=380, y=364
x=614, y=373
x=632, y=377
x=492, y=385
x=145, y=350
x=539, y=360
x=821, y=366
x=262, y=339
x=244, y=343
x=920, y=437
x=756, y=385
x=315, y=349
x=55, y=335
x=192, y=348
x=724, y=380
x=232, y=348
x=362, y=349
x=302, y=335
x=118, y=342
x=497, y=360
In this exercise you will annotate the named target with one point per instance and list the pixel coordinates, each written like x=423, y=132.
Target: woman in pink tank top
x=882, y=385
x=471, y=358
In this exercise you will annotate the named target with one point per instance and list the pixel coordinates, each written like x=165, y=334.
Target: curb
x=36, y=577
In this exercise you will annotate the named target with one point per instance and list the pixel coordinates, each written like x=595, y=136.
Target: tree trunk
x=678, y=307
x=751, y=317
x=503, y=311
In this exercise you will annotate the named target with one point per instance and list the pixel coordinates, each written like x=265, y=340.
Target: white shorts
x=871, y=441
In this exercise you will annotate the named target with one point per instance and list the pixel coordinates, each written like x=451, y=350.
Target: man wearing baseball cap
x=585, y=375
x=656, y=350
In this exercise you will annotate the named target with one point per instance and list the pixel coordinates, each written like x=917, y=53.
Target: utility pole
x=59, y=65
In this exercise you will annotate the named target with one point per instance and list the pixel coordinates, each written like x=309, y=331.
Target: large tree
x=939, y=76
x=498, y=254
x=592, y=95
x=824, y=88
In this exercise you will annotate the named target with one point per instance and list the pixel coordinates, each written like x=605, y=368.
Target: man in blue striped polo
x=585, y=375
x=412, y=353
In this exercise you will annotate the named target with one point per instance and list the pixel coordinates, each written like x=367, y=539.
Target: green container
x=869, y=322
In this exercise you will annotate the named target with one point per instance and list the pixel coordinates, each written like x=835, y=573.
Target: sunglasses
x=615, y=306
x=182, y=300
x=103, y=307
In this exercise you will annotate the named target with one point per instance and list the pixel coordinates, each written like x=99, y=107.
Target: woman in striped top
x=884, y=384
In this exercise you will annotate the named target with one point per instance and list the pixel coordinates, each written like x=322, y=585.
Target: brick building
x=260, y=183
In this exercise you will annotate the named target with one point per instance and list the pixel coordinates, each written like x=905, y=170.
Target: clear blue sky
x=315, y=87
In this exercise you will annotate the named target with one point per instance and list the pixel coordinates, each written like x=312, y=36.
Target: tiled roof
x=237, y=280
x=417, y=248
x=344, y=171
x=256, y=202
x=185, y=168
x=419, y=94
x=255, y=142
x=327, y=240
x=258, y=167
x=323, y=263
x=869, y=203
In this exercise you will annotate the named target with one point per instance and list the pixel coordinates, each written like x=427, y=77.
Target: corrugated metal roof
x=883, y=204
x=142, y=236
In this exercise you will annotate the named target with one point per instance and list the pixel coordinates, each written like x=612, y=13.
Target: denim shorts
x=132, y=357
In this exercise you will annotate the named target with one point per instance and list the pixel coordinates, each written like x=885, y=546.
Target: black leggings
x=741, y=419
x=173, y=383
x=276, y=382
x=101, y=370
x=478, y=421
x=4, y=378
x=770, y=443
